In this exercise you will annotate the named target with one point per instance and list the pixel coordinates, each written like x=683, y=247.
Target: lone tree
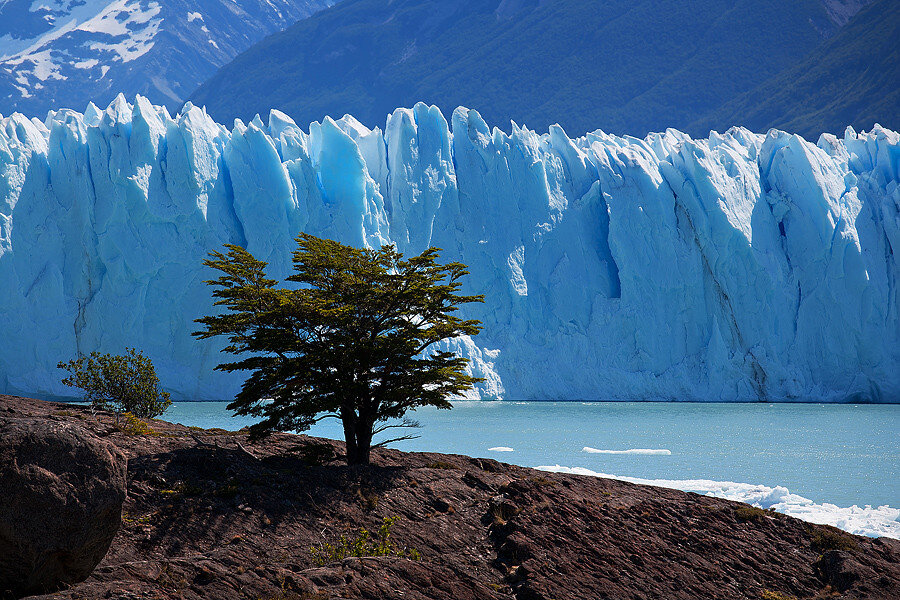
x=121, y=383
x=348, y=340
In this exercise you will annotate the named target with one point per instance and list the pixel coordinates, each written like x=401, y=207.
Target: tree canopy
x=350, y=338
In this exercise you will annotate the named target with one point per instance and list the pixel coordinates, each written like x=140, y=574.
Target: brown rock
x=61, y=495
x=512, y=533
x=839, y=570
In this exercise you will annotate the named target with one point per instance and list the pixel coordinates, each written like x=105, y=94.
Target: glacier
x=739, y=267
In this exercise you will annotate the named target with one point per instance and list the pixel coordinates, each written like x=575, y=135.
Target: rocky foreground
x=209, y=515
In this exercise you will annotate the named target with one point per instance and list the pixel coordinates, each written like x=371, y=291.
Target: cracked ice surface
x=738, y=267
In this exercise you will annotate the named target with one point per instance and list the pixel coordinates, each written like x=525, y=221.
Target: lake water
x=836, y=464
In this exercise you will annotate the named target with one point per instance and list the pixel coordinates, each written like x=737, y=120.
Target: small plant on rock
x=773, y=595
x=363, y=544
x=134, y=426
x=750, y=513
x=119, y=383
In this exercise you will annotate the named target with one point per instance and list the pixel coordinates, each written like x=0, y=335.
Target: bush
x=134, y=426
x=118, y=383
x=363, y=545
x=750, y=513
x=825, y=538
x=773, y=595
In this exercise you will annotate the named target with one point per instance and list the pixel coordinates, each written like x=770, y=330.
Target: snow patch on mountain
x=66, y=48
x=841, y=11
x=738, y=267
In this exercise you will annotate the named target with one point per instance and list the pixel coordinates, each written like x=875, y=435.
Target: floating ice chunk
x=644, y=451
x=501, y=449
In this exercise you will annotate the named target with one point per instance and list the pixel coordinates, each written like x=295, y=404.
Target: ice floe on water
x=642, y=451
x=501, y=449
x=869, y=521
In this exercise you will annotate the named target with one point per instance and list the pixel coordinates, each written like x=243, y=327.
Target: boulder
x=62, y=490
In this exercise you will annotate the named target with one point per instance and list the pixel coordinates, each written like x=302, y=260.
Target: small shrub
x=134, y=426
x=363, y=544
x=771, y=595
x=441, y=464
x=119, y=383
x=750, y=513
x=825, y=538
x=542, y=481
x=229, y=490
x=183, y=489
x=133, y=520
x=317, y=454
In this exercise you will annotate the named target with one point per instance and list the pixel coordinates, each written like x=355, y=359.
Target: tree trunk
x=348, y=419
x=359, y=441
x=363, y=443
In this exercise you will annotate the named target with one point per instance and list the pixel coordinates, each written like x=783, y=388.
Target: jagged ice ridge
x=738, y=267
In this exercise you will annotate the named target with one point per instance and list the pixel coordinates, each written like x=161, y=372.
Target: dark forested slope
x=852, y=79
x=627, y=66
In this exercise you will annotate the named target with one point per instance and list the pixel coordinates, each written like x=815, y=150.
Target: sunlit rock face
x=738, y=267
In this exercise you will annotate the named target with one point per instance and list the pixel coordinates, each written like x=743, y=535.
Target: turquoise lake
x=847, y=454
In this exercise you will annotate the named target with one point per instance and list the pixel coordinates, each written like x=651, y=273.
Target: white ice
x=743, y=266
x=870, y=521
x=639, y=451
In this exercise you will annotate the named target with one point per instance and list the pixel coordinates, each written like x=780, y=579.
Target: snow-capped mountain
x=741, y=266
x=64, y=53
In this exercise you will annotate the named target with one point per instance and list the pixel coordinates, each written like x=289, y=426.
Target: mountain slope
x=853, y=79
x=63, y=53
x=627, y=66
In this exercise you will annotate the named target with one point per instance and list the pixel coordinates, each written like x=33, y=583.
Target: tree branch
x=396, y=439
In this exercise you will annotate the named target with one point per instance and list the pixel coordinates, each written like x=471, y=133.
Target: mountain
x=737, y=267
x=852, y=79
x=626, y=66
x=65, y=53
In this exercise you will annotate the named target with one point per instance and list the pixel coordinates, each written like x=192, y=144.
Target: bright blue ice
x=738, y=267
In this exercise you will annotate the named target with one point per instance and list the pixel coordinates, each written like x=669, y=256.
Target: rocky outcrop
x=209, y=515
x=61, y=495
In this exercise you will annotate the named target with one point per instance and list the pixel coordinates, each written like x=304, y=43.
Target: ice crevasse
x=738, y=267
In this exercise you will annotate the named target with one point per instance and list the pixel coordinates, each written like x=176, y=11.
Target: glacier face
x=738, y=267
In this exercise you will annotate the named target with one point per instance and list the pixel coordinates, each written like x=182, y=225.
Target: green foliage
x=119, y=383
x=363, y=544
x=826, y=538
x=182, y=488
x=134, y=426
x=348, y=340
x=750, y=513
